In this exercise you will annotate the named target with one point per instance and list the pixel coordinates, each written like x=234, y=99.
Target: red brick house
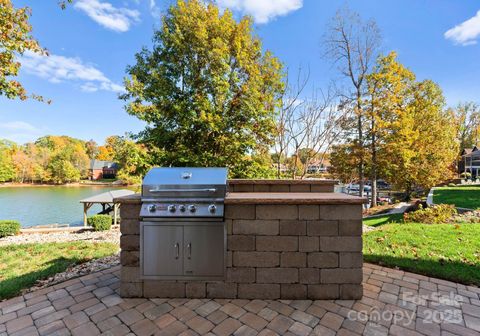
x=102, y=169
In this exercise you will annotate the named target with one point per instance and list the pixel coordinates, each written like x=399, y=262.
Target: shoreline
x=73, y=185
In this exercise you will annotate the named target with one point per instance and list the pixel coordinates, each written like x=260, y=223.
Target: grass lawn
x=460, y=196
x=381, y=220
x=444, y=251
x=22, y=265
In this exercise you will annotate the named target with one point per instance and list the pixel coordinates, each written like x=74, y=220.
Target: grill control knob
x=212, y=208
x=182, y=208
x=192, y=208
x=152, y=208
x=172, y=208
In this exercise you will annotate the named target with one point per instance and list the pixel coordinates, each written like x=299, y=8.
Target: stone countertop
x=292, y=198
x=282, y=181
x=272, y=198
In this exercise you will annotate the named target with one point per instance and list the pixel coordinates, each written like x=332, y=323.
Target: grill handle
x=189, y=248
x=177, y=250
x=209, y=190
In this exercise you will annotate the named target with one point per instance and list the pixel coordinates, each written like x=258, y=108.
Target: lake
x=47, y=205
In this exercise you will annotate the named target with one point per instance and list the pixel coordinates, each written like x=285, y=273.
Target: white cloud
x=17, y=126
x=19, y=131
x=466, y=32
x=105, y=14
x=57, y=69
x=154, y=9
x=262, y=11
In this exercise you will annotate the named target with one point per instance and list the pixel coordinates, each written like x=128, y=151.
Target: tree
x=7, y=171
x=389, y=91
x=91, y=149
x=344, y=162
x=63, y=148
x=424, y=143
x=133, y=158
x=467, y=115
x=207, y=90
x=305, y=126
x=352, y=44
x=15, y=39
x=64, y=171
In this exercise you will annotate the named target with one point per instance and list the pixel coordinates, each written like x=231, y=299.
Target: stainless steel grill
x=182, y=228
x=184, y=193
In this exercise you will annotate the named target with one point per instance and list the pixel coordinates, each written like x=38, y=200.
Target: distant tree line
x=62, y=159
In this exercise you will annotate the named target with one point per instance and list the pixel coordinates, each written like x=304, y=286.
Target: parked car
x=381, y=185
x=356, y=188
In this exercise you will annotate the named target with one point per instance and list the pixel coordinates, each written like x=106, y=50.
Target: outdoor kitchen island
x=284, y=245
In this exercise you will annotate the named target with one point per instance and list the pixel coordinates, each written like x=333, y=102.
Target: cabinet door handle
x=177, y=248
x=189, y=248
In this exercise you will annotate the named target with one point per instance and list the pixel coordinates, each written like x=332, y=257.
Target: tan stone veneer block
x=293, y=259
x=240, y=211
x=277, y=211
x=340, y=211
x=341, y=276
x=129, y=211
x=293, y=227
x=221, y=290
x=130, y=274
x=163, y=289
x=277, y=275
x=131, y=289
x=255, y=291
x=277, y=243
x=293, y=291
x=130, y=242
x=256, y=259
x=129, y=258
x=322, y=228
x=323, y=292
x=130, y=226
x=196, y=290
x=241, y=243
x=255, y=227
x=310, y=212
x=240, y=274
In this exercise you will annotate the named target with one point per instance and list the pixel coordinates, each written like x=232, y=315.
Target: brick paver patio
x=394, y=303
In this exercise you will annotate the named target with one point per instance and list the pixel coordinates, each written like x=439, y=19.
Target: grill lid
x=185, y=182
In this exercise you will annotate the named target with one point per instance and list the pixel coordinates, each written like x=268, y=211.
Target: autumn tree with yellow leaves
x=207, y=90
x=410, y=137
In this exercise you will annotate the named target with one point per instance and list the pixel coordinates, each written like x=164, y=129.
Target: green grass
x=445, y=251
x=460, y=196
x=381, y=220
x=22, y=265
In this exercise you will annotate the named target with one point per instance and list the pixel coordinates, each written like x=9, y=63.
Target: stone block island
x=278, y=245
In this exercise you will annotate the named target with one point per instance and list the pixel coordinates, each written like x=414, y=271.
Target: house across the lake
x=102, y=170
x=470, y=162
x=318, y=166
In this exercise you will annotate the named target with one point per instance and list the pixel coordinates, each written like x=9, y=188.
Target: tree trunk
x=360, y=143
x=373, y=177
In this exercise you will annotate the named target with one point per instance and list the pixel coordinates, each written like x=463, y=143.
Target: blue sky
x=92, y=42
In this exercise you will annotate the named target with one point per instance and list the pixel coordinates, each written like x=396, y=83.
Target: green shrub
x=437, y=214
x=100, y=222
x=9, y=228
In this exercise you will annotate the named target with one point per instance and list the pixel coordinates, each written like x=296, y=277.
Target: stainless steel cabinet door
x=162, y=250
x=204, y=250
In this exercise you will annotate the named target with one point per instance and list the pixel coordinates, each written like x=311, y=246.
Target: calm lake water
x=47, y=205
